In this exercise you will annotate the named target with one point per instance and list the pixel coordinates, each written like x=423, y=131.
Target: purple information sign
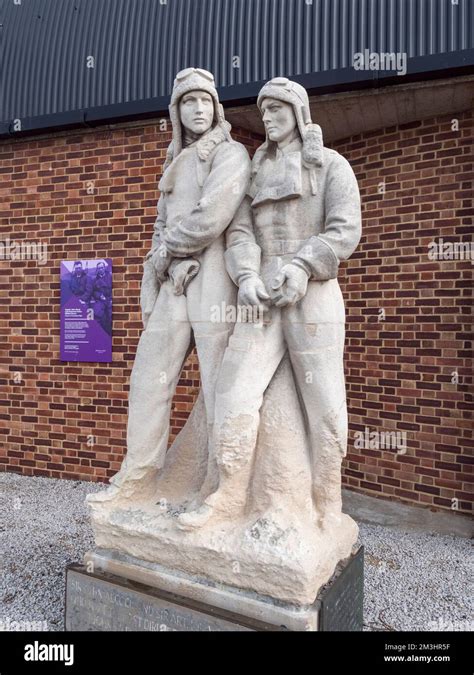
x=86, y=310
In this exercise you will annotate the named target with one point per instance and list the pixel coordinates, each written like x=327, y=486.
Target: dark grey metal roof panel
x=60, y=56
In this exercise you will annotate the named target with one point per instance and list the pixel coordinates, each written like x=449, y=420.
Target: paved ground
x=413, y=580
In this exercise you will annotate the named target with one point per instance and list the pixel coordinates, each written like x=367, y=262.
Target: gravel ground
x=413, y=581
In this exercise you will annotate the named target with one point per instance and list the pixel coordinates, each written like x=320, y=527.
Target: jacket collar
x=204, y=148
x=210, y=140
x=205, y=145
x=293, y=158
x=281, y=180
x=295, y=146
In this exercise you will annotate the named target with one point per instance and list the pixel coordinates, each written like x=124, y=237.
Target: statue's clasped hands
x=290, y=285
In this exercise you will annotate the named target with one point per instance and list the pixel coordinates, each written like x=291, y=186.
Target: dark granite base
x=101, y=601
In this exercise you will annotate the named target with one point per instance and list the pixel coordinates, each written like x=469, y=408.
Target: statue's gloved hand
x=252, y=292
x=290, y=285
x=161, y=259
x=182, y=272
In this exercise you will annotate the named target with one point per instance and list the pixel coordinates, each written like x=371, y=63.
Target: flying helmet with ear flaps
x=194, y=79
x=283, y=89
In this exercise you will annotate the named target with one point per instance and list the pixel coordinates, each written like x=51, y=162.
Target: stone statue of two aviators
x=268, y=234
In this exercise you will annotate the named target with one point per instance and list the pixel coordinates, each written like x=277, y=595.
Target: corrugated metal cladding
x=139, y=45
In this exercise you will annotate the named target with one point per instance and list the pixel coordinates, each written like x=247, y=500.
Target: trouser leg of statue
x=320, y=379
x=210, y=349
x=314, y=331
x=161, y=351
x=253, y=348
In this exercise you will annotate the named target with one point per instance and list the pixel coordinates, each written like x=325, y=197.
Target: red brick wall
x=399, y=369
